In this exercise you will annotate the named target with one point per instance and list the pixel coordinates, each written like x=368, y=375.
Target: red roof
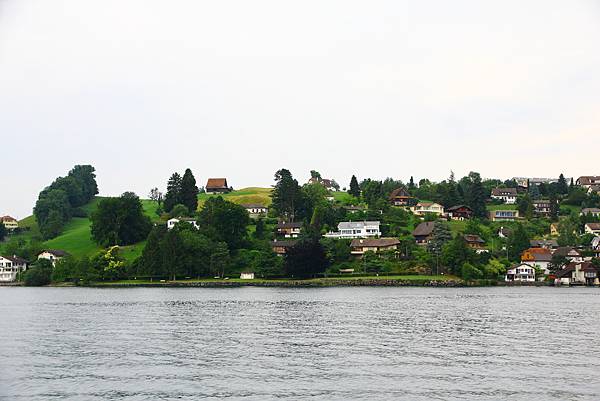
x=217, y=183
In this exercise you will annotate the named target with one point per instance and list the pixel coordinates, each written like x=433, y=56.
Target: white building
x=578, y=273
x=9, y=222
x=247, y=276
x=53, y=255
x=508, y=195
x=10, y=267
x=521, y=272
x=592, y=228
x=423, y=208
x=171, y=222
x=356, y=229
x=255, y=210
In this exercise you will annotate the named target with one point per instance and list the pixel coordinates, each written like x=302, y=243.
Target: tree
x=411, y=184
x=517, y=242
x=56, y=201
x=470, y=272
x=354, y=188
x=315, y=175
x=439, y=237
x=156, y=196
x=179, y=210
x=2, y=231
x=563, y=187
x=189, y=191
x=456, y=253
x=120, y=221
x=567, y=232
x=259, y=232
x=286, y=196
x=475, y=195
x=39, y=273
x=224, y=221
x=554, y=207
x=525, y=206
x=173, y=196
x=372, y=191
x=557, y=263
x=305, y=259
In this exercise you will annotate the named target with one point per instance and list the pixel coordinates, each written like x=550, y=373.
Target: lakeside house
x=590, y=211
x=247, y=275
x=53, y=255
x=288, y=230
x=504, y=215
x=544, y=243
x=10, y=267
x=423, y=208
x=190, y=220
x=401, y=197
x=570, y=253
x=255, y=210
x=10, y=223
x=584, y=273
x=507, y=195
x=592, y=228
x=217, y=186
x=587, y=181
x=520, y=273
x=537, y=257
x=423, y=231
x=475, y=242
x=356, y=229
x=359, y=246
x=281, y=247
x=460, y=212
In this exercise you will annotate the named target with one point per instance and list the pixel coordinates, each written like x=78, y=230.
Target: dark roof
x=56, y=252
x=593, y=226
x=15, y=259
x=216, y=183
x=7, y=218
x=289, y=225
x=284, y=244
x=453, y=208
x=504, y=191
x=587, y=210
x=588, y=180
x=564, y=251
x=425, y=228
x=374, y=242
x=400, y=192
x=473, y=238
x=540, y=243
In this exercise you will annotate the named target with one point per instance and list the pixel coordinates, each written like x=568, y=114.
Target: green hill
x=245, y=195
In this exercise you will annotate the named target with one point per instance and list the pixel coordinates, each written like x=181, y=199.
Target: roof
x=289, y=225
x=346, y=225
x=400, y=192
x=56, y=252
x=593, y=226
x=587, y=210
x=519, y=265
x=352, y=207
x=425, y=228
x=253, y=206
x=7, y=218
x=504, y=192
x=473, y=238
x=15, y=259
x=457, y=207
x=374, y=242
x=283, y=244
x=427, y=204
x=540, y=243
x=588, y=179
x=216, y=183
x=565, y=250
x=496, y=212
x=537, y=254
x=572, y=266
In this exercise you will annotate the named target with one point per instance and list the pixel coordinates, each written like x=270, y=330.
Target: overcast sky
x=239, y=89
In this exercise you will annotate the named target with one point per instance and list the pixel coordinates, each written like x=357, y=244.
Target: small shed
x=247, y=276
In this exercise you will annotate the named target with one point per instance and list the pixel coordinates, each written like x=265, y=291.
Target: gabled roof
x=457, y=207
x=7, y=218
x=425, y=228
x=504, y=192
x=540, y=243
x=217, y=183
x=374, y=242
x=56, y=252
x=400, y=192
x=284, y=244
x=289, y=225
x=566, y=250
x=472, y=238
x=537, y=255
x=346, y=225
x=588, y=180
x=16, y=259
x=593, y=226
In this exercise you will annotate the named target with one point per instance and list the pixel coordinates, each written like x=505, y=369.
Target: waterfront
x=336, y=343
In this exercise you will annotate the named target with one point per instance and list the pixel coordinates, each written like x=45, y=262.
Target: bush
x=470, y=272
x=38, y=274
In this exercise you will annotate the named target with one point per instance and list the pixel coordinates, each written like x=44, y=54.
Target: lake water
x=370, y=343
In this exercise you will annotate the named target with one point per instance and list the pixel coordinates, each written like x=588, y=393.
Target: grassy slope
x=245, y=195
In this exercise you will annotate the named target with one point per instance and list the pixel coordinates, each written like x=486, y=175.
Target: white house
x=578, y=273
x=595, y=245
x=508, y=195
x=53, y=255
x=10, y=267
x=356, y=229
x=9, y=222
x=423, y=208
x=255, y=210
x=592, y=228
x=171, y=222
x=247, y=275
x=593, y=211
x=521, y=272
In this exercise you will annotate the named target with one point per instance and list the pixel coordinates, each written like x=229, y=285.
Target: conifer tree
x=563, y=187
x=173, y=196
x=354, y=187
x=189, y=191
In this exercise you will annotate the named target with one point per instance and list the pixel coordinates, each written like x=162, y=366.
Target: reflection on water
x=297, y=344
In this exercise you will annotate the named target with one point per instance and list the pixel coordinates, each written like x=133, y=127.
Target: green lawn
x=345, y=198
x=261, y=196
x=501, y=207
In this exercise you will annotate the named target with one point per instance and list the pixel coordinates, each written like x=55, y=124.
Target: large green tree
x=189, y=191
x=173, y=195
x=517, y=242
x=120, y=221
x=354, y=187
x=224, y=221
x=305, y=259
x=287, y=196
x=475, y=194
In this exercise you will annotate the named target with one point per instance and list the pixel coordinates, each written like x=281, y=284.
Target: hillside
x=245, y=195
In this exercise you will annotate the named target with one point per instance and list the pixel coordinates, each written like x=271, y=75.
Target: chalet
x=53, y=255
x=544, y=243
x=10, y=223
x=281, y=247
x=423, y=208
x=570, y=253
x=507, y=195
x=474, y=241
x=591, y=211
x=460, y=212
x=504, y=215
x=189, y=220
x=359, y=246
x=537, y=257
x=217, y=186
x=578, y=273
x=288, y=230
x=247, y=275
x=592, y=228
x=356, y=229
x=522, y=272
x=255, y=210
x=10, y=267
x=542, y=207
x=587, y=181
x=423, y=232
x=329, y=185
x=401, y=197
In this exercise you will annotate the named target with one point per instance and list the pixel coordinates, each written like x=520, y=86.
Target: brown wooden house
x=460, y=212
x=401, y=197
x=217, y=186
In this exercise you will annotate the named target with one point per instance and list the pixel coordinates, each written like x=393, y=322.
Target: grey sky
x=240, y=89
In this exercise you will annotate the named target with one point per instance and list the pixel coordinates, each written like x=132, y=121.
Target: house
x=542, y=207
x=359, y=245
x=537, y=257
x=522, y=272
x=570, y=253
x=401, y=197
x=10, y=267
x=587, y=181
x=578, y=273
x=460, y=212
x=423, y=208
x=190, y=220
x=53, y=255
x=594, y=189
x=507, y=195
x=504, y=215
x=544, y=243
x=474, y=241
x=592, y=228
x=592, y=211
x=255, y=210
x=281, y=247
x=595, y=246
x=10, y=223
x=356, y=229
x=554, y=230
x=355, y=209
x=217, y=186
x=423, y=231
x=504, y=232
x=247, y=275
x=329, y=185
x=288, y=230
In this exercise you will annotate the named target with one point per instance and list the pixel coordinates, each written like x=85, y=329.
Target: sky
x=239, y=89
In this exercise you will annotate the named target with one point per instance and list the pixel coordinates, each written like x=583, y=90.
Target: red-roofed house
x=217, y=186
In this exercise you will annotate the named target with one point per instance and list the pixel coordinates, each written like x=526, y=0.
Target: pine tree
x=554, y=207
x=286, y=194
x=475, y=195
x=411, y=184
x=189, y=191
x=173, y=195
x=563, y=188
x=354, y=187
x=517, y=242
